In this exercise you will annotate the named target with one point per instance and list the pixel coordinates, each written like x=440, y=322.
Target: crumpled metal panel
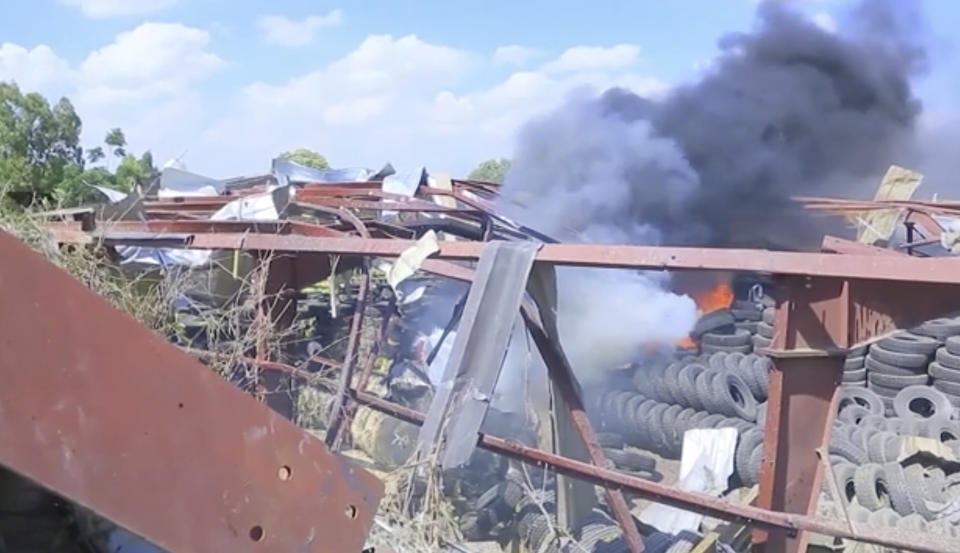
x=479, y=349
x=109, y=415
x=290, y=172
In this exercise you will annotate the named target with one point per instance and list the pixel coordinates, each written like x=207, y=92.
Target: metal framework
x=830, y=302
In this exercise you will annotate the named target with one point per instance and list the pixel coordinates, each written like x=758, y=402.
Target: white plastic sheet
x=705, y=466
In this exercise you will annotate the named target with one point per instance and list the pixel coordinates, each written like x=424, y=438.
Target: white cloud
x=115, y=8
x=154, y=59
x=392, y=98
x=36, y=69
x=825, y=21
x=586, y=58
x=283, y=31
x=401, y=99
x=514, y=55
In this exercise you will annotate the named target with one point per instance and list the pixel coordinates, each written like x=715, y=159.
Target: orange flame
x=718, y=297
x=714, y=299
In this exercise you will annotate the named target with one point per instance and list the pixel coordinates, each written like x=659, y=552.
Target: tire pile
x=717, y=390
x=740, y=329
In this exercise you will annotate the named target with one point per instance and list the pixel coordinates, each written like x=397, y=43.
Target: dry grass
x=414, y=515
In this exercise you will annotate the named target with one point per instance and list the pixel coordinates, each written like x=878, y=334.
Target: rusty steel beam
x=833, y=244
x=562, y=376
x=107, y=414
x=783, y=523
x=892, y=268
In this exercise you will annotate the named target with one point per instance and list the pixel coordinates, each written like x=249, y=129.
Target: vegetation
x=42, y=162
x=307, y=158
x=491, y=170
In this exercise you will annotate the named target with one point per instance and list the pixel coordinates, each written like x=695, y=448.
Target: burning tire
x=716, y=321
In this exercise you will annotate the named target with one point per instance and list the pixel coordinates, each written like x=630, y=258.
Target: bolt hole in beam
x=257, y=533
x=351, y=512
x=284, y=473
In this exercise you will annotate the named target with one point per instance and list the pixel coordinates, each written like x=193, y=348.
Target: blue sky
x=228, y=84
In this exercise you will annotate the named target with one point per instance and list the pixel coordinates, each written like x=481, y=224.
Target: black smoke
x=787, y=109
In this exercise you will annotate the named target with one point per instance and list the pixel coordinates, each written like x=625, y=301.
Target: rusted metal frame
x=278, y=308
x=892, y=268
x=409, y=205
x=167, y=215
x=924, y=220
x=812, y=334
x=346, y=185
x=833, y=244
x=835, y=204
x=375, y=349
x=561, y=375
x=195, y=226
x=169, y=450
x=340, y=416
x=786, y=523
x=310, y=229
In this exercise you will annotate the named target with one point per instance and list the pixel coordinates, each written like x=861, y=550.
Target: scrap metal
x=832, y=301
x=106, y=413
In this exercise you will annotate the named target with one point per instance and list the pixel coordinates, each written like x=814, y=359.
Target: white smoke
x=572, y=178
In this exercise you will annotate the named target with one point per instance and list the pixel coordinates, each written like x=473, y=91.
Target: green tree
x=306, y=157
x=95, y=154
x=491, y=170
x=117, y=141
x=39, y=144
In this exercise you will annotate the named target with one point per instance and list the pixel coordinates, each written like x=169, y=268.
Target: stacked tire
x=764, y=336
x=632, y=419
x=728, y=384
x=897, y=362
x=855, y=368
x=945, y=370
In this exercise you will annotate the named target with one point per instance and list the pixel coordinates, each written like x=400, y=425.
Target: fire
x=718, y=297
x=714, y=299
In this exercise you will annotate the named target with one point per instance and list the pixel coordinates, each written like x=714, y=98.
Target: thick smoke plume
x=789, y=109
